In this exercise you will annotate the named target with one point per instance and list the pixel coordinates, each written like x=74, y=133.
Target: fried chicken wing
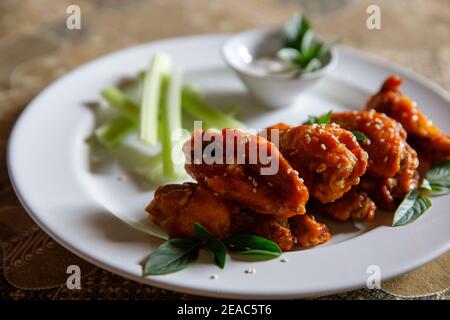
x=426, y=138
x=176, y=207
x=355, y=204
x=308, y=231
x=267, y=185
x=386, y=145
x=328, y=158
x=392, y=168
x=267, y=226
x=389, y=192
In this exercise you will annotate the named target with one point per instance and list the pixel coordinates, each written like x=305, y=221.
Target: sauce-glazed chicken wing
x=267, y=226
x=308, y=231
x=328, y=158
x=386, y=145
x=355, y=205
x=389, y=192
x=177, y=207
x=431, y=143
x=278, y=190
x=392, y=168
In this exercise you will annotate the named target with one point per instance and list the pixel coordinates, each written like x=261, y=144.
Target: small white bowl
x=271, y=90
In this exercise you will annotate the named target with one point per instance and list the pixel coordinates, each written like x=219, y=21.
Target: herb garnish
x=412, y=207
x=300, y=46
x=416, y=202
x=360, y=136
x=439, y=179
x=322, y=119
x=176, y=254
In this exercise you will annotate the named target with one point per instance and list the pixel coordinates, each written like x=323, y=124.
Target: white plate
x=48, y=163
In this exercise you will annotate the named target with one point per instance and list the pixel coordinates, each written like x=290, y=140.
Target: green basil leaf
x=294, y=31
x=173, y=255
x=288, y=55
x=439, y=178
x=411, y=208
x=307, y=41
x=215, y=247
x=322, y=119
x=312, y=65
x=257, y=255
x=202, y=233
x=246, y=242
x=426, y=185
x=360, y=136
x=218, y=251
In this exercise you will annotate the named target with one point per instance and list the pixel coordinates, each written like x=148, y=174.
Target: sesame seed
x=254, y=190
x=368, y=124
x=415, y=117
x=323, y=147
x=382, y=140
x=301, y=179
x=270, y=184
x=339, y=165
x=295, y=172
x=404, y=114
x=284, y=260
x=385, y=159
x=288, y=170
x=307, y=139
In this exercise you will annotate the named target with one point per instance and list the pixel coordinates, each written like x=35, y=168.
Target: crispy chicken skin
x=389, y=192
x=267, y=226
x=176, y=207
x=355, y=205
x=426, y=138
x=308, y=231
x=328, y=158
x=282, y=193
x=386, y=145
x=392, y=166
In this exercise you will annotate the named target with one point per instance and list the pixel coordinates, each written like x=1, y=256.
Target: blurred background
x=36, y=47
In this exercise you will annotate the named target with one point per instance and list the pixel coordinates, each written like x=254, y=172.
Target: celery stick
x=151, y=96
x=193, y=104
x=118, y=100
x=112, y=132
x=171, y=119
x=232, y=110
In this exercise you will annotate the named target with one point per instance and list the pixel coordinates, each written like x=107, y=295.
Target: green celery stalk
x=118, y=100
x=111, y=133
x=151, y=97
x=170, y=118
x=193, y=104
